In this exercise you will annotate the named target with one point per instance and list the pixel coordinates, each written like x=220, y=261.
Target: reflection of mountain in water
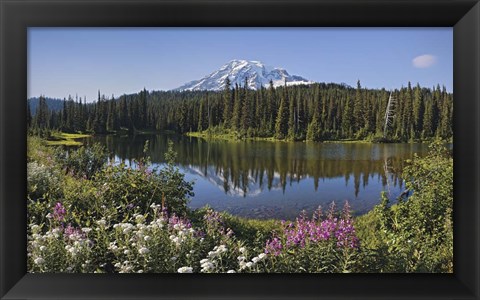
x=219, y=178
x=250, y=167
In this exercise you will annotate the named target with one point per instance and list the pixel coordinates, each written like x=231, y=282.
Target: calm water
x=263, y=179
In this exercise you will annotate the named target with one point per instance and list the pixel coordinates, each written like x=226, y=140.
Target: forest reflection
x=240, y=167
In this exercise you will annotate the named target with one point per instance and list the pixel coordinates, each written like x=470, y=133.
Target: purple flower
x=71, y=232
x=338, y=230
x=214, y=223
x=59, y=212
x=175, y=220
x=273, y=246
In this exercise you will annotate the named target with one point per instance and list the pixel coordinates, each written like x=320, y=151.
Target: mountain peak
x=238, y=70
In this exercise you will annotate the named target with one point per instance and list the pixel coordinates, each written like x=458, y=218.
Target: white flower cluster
x=78, y=247
x=210, y=264
x=42, y=247
x=180, y=234
x=40, y=178
x=125, y=267
x=207, y=265
x=185, y=270
x=102, y=224
x=138, y=242
x=244, y=264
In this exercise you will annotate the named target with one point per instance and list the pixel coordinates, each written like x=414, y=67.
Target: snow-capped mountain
x=257, y=75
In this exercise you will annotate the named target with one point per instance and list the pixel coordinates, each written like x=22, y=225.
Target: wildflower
x=39, y=261
x=185, y=270
x=242, y=249
x=221, y=249
x=231, y=271
x=86, y=229
x=147, y=238
x=249, y=264
x=59, y=212
x=42, y=248
x=273, y=246
x=35, y=228
x=112, y=246
x=207, y=266
x=143, y=250
x=139, y=218
x=174, y=258
x=102, y=222
x=204, y=261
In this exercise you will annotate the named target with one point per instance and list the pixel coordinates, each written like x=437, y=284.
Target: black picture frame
x=16, y=16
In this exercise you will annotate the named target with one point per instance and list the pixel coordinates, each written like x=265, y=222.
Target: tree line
x=315, y=112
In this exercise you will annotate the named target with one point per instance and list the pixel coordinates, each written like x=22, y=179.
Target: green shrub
x=84, y=161
x=42, y=181
x=417, y=233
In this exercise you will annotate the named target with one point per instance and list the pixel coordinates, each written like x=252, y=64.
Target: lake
x=264, y=179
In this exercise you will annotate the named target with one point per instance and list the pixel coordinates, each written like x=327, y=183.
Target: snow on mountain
x=257, y=75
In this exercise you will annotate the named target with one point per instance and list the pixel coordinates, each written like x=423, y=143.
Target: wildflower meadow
x=89, y=215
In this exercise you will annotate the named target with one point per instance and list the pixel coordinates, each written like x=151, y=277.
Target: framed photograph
x=273, y=149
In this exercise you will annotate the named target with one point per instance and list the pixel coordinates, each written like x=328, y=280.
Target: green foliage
x=285, y=112
x=173, y=186
x=416, y=233
x=281, y=124
x=42, y=180
x=85, y=161
x=314, y=131
x=119, y=219
x=253, y=232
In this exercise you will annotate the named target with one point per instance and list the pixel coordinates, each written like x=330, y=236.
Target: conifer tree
x=246, y=108
x=314, y=127
x=292, y=125
x=271, y=108
x=418, y=111
x=227, y=102
x=281, y=124
x=407, y=112
x=42, y=115
x=347, y=117
x=236, y=109
x=201, y=117
x=358, y=117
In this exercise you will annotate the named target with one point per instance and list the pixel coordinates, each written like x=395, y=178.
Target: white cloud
x=424, y=61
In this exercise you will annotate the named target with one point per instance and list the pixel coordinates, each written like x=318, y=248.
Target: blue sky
x=63, y=61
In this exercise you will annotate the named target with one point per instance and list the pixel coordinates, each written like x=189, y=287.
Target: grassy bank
x=65, y=139
x=219, y=133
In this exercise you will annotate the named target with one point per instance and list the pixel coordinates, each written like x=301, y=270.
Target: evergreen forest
x=317, y=112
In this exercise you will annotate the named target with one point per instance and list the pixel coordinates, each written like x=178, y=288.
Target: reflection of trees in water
x=241, y=164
